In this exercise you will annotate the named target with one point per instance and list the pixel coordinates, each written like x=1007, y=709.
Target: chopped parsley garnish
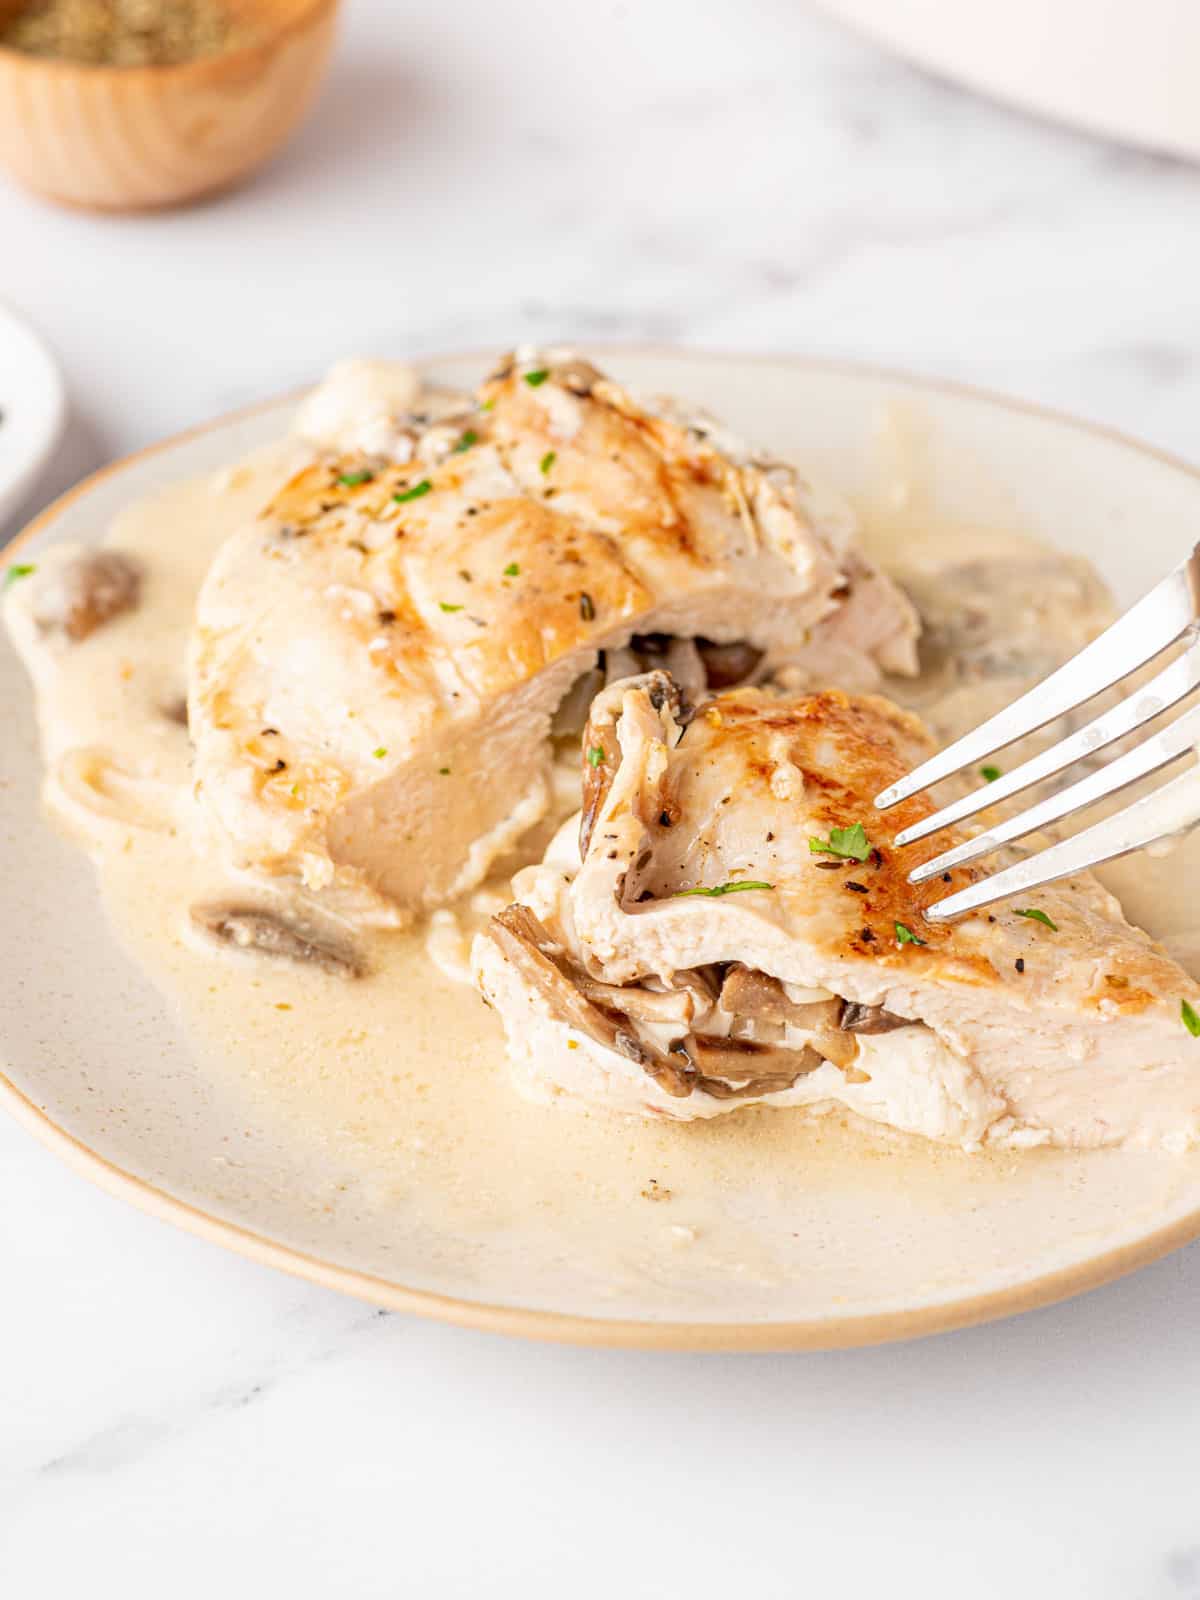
x=1190, y=1020
x=990, y=774
x=468, y=439
x=905, y=935
x=512, y=570
x=1035, y=915
x=533, y=379
x=850, y=843
x=548, y=461
x=595, y=755
x=444, y=772
x=23, y=569
x=415, y=493
x=587, y=609
x=446, y=606
x=351, y=480
x=487, y=405
x=380, y=753
x=725, y=888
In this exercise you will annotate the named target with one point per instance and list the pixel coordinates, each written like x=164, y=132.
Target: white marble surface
x=176, y=1421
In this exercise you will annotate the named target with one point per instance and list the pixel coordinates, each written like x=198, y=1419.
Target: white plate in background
x=33, y=408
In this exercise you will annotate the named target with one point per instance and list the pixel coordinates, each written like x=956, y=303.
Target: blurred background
x=753, y=176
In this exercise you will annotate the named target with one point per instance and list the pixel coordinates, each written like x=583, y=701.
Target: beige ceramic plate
x=849, y=1245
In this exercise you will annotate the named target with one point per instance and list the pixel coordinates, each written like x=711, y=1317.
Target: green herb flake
x=724, y=888
x=905, y=935
x=548, y=461
x=534, y=379
x=487, y=405
x=1190, y=1020
x=351, y=480
x=1035, y=915
x=380, y=753
x=990, y=774
x=512, y=570
x=595, y=755
x=446, y=606
x=22, y=569
x=443, y=772
x=415, y=493
x=468, y=439
x=850, y=843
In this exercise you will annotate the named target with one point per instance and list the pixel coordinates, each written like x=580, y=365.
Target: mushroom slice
x=263, y=929
x=729, y=1068
x=856, y=1018
x=728, y=664
x=749, y=993
x=527, y=944
x=91, y=589
x=602, y=754
x=643, y=1005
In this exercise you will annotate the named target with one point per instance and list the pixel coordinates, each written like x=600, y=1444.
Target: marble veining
x=173, y=1419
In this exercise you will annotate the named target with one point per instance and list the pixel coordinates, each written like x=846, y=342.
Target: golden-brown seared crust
x=618, y=511
x=847, y=749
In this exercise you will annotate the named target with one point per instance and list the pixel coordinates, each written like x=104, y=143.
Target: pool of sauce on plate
x=399, y=1077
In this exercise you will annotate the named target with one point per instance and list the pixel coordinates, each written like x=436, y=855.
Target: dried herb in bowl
x=124, y=33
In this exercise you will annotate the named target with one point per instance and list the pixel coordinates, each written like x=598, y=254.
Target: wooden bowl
x=132, y=138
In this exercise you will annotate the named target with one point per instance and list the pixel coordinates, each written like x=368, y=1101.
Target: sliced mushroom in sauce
x=264, y=930
x=87, y=591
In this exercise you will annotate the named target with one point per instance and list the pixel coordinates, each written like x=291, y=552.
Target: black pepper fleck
x=1020, y=963
x=859, y=888
x=867, y=936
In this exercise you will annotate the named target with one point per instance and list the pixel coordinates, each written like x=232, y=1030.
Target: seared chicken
x=734, y=927
x=377, y=663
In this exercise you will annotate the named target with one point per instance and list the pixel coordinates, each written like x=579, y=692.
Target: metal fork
x=1169, y=614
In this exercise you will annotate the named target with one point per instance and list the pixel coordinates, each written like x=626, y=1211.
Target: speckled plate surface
x=96, y=1064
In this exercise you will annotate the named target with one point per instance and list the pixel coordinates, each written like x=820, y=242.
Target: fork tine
x=1157, y=619
x=1155, y=816
x=1143, y=705
x=1166, y=747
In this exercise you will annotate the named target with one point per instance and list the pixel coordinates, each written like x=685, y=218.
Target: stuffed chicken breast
x=734, y=928
x=379, y=661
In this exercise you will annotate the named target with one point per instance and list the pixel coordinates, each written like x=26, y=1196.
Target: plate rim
x=843, y=1332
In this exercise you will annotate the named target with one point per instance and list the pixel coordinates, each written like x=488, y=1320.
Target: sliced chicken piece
x=377, y=662
x=744, y=843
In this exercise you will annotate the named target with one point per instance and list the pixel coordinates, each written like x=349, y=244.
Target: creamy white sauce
x=403, y=1071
